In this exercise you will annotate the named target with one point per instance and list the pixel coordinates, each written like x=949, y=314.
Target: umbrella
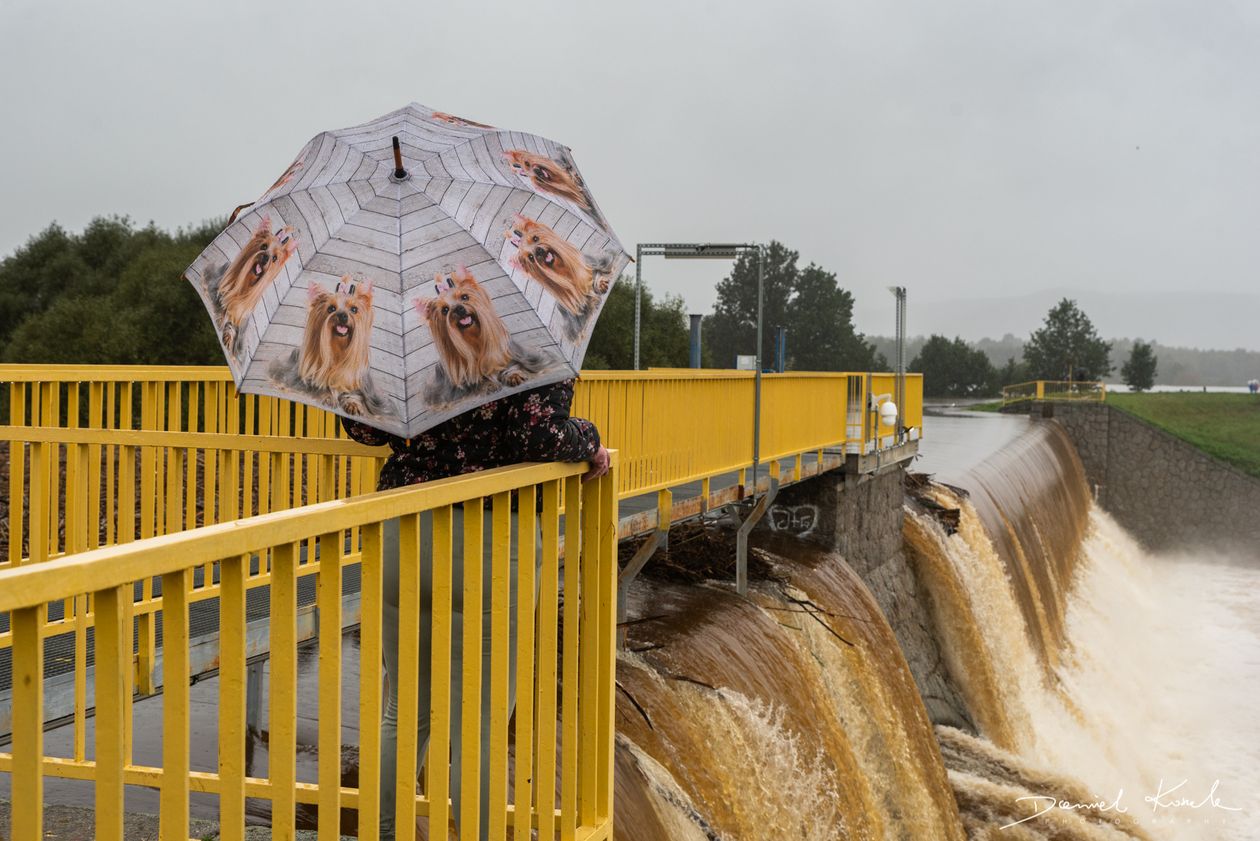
x=409, y=269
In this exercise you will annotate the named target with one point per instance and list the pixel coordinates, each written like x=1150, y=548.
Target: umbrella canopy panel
x=403, y=301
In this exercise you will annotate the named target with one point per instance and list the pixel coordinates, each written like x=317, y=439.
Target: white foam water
x=1151, y=713
x=1164, y=672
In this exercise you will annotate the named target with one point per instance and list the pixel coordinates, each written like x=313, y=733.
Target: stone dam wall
x=1168, y=493
x=861, y=519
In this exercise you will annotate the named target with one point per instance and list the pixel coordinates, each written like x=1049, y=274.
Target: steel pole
x=638, y=294
x=901, y=365
x=761, y=270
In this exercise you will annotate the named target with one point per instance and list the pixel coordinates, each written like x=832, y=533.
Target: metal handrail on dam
x=138, y=497
x=1040, y=390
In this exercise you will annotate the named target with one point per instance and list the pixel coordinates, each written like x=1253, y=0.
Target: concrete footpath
x=74, y=823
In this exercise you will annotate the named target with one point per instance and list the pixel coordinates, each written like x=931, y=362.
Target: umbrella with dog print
x=411, y=268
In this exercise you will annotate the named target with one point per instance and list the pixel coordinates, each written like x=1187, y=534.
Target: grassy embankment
x=1223, y=425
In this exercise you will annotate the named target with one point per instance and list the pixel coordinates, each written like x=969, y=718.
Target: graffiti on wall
x=798, y=520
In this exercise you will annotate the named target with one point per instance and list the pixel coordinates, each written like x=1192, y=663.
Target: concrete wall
x=862, y=520
x=1169, y=494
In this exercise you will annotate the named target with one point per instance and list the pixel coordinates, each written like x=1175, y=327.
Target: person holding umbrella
x=531, y=426
x=434, y=281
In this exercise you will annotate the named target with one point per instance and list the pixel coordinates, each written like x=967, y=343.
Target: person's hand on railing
x=599, y=465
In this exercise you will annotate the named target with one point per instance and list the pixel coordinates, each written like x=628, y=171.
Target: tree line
x=1066, y=347
x=113, y=294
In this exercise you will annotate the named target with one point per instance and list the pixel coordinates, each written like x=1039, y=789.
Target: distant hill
x=1177, y=365
x=1191, y=319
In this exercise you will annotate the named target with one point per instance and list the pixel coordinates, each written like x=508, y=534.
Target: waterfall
x=1099, y=678
x=790, y=714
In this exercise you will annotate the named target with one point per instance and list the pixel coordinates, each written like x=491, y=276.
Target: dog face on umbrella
x=471, y=340
x=293, y=170
x=554, y=262
x=336, y=344
x=548, y=176
x=451, y=119
x=251, y=272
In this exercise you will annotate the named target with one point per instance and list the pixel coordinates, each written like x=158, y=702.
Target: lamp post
x=899, y=391
x=706, y=251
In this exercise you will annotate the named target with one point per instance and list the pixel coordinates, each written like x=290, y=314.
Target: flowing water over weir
x=1099, y=678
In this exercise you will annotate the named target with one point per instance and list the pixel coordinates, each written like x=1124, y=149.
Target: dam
x=1085, y=689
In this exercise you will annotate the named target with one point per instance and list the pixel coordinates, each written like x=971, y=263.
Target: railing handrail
x=189, y=440
x=113, y=566
x=46, y=372
x=1078, y=383
x=23, y=373
x=1054, y=390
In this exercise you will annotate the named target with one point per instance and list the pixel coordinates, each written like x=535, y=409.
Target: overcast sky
x=963, y=149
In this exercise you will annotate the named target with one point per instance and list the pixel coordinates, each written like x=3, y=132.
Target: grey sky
x=963, y=149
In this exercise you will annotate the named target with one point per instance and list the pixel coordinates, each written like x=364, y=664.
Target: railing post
x=1041, y=389
x=569, y=658
x=281, y=749
x=173, y=823
x=110, y=686
x=438, y=767
x=331, y=550
x=17, y=473
x=548, y=628
x=232, y=682
x=608, y=635
x=589, y=640
x=500, y=583
x=526, y=530
x=28, y=722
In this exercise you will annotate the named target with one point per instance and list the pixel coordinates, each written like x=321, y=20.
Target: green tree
x=1067, y=347
x=954, y=369
x=732, y=328
x=820, y=332
x=1014, y=371
x=809, y=302
x=664, y=338
x=112, y=294
x=1139, y=371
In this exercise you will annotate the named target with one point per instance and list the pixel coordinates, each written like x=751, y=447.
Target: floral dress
x=529, y=426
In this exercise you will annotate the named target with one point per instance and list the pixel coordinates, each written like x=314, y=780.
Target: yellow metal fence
x=102, y=457
x=1053, y=390
x=673, y=426
x=560, y=761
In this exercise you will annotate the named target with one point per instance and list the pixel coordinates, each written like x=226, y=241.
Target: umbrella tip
x=399, y=172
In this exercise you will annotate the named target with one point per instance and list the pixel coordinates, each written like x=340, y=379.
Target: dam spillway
x=1106, y=692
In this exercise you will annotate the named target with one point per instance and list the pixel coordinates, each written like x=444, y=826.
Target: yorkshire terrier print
x=237, y=289
x=333, y=363
x=476, y=353
x=547, y=175
x=451, y=119
x=574, y=279
x=294, y=169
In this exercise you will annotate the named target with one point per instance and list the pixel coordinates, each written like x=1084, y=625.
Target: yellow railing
x=71, y=489
x=117, y=457
x=673, y=426
x=569, y=731
x=1053, y=390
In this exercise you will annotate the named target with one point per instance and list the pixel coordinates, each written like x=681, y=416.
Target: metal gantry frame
x=708, y=251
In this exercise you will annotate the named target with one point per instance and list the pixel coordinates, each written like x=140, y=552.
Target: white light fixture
x=888, y=413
